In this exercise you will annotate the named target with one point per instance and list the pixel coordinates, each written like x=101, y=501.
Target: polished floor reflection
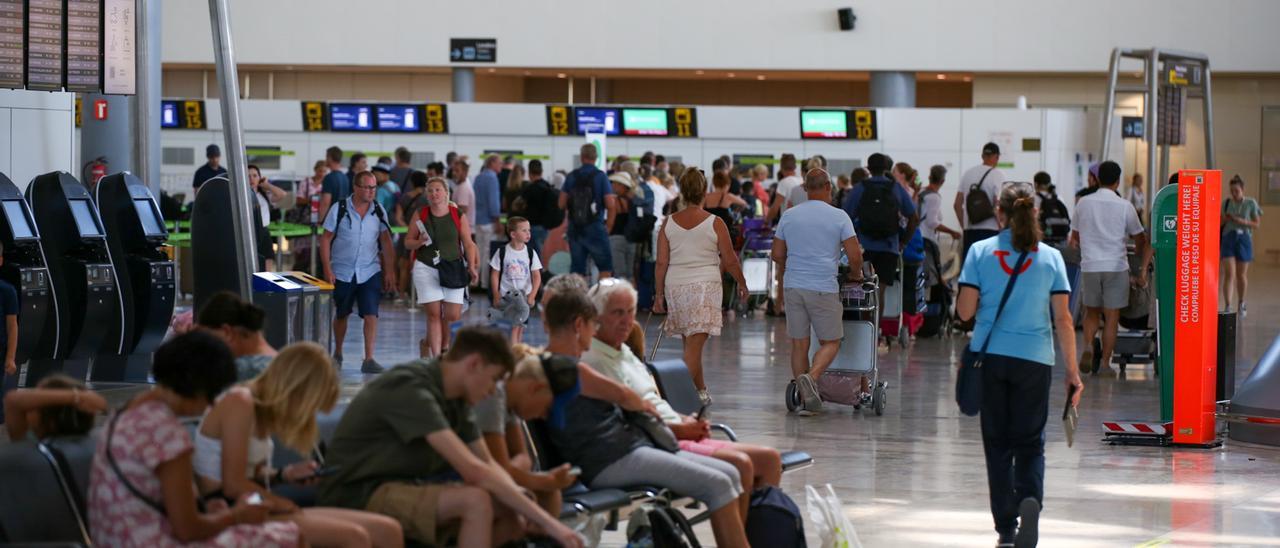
x=915, y=476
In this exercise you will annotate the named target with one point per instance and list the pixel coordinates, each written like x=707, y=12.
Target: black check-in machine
x=135, y=235
x=88, y=313
x=213, y=244
x=24, y=269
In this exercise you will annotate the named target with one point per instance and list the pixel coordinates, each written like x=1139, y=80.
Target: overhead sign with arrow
x=473, y=50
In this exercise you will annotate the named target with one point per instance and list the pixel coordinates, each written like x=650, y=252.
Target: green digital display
x=824, y=124
x=645, y=122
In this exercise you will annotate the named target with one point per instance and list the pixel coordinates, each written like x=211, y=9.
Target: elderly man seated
x=615, y=301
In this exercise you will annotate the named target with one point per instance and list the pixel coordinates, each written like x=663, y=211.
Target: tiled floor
x=915, y=476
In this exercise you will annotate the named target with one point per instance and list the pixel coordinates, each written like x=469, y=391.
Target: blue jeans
x=592, y=241
x=1015, y=407
x=539, y=235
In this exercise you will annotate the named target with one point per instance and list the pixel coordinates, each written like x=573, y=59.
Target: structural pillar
x=893, y=89
x=147, y=101
x=464, y=85
x=106, y=124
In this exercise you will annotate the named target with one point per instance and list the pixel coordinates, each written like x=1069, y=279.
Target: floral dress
x=146, y=436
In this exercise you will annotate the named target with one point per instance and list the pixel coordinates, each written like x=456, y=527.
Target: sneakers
x=1028, y=523
x=1244, y=310
x=704, y=397
x=809, y=393
x=370, y=367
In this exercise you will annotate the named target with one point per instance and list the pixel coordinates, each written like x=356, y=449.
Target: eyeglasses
x=367, y=187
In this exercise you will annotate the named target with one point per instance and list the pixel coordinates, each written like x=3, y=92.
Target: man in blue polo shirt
x=877, y=207
x=488, y=210
x=357, y=257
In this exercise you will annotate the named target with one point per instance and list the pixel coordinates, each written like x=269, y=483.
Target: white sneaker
x=809, y=393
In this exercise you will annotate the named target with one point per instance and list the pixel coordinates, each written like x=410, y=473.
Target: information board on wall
x=84, y=46
x=864, y=125
x=645, y=122
x=437, y=119
x=591, y=120
x=558, y=117
x=45, y=61
x=193, y=114
x=350, y=117
x=12, y=44
x=824, y=124
x=473, y=50
x=119, y=47
x=399, y=118
x=684, y=121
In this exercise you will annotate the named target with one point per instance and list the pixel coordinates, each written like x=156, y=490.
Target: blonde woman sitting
x=233, y=447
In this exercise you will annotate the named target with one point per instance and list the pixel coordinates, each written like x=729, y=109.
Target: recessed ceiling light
x=491, y=71
x=760, y=77
x=731, y=75
x=527, y=73
x=968, y=79
x=699, y=72
x=560, y=75
x=942, y=77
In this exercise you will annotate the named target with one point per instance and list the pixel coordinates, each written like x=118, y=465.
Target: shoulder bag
x=969, y=380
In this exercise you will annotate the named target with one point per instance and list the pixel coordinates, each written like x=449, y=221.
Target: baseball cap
x=562, y=377
x=990, y=148
x=212, y=151
x=385, y=168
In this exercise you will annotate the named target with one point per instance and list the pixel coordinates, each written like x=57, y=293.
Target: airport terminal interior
x=186, y=182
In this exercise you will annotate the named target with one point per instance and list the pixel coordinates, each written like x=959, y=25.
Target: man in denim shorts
x=807, y=249
x=357, y=257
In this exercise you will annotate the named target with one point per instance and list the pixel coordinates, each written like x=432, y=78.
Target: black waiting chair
x=39, y=501
x=676, y=386
x=578, y=499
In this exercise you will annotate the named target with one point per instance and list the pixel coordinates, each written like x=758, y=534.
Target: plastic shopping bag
x=827, y=515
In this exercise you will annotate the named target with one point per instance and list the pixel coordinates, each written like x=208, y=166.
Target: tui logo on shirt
x=1001, y=254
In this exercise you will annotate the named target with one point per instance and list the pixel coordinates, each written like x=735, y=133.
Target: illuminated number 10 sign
x=864, y=125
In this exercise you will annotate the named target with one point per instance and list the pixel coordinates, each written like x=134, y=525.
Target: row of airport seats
x=43, y=486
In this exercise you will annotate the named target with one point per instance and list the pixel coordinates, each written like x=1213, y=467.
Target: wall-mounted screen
x=46, y=53
x=314, y=117
x=645, y=122
x=13, y=63
x=349, y=117
x=169, y=115
x=151, y=225
x=18, y=219
x=86, y=223
x=400, y=118
x=84, y=45
x=824, y=124
x=597, y=120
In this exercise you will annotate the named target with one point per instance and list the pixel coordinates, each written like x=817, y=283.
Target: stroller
x=842, y=382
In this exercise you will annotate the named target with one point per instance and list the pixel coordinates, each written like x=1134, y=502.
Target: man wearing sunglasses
x=356, y=253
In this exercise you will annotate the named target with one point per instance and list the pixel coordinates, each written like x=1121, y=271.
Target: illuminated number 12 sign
x=558, y=121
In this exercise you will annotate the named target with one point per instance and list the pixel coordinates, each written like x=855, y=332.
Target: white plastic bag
x=827, y=515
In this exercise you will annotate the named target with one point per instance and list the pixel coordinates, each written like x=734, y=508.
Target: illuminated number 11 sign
x=685, y=121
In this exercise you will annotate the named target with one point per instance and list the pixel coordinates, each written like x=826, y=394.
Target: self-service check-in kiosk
x=213, y=243
x=24, y=269
x=317, y=307
x=135, y=236
x=88, y=310
x=281, y=298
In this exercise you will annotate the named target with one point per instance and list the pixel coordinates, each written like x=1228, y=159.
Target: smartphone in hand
x=701, y=411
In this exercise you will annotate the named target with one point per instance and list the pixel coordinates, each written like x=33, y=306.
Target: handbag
x=657, y=431
x=969, y=379
x=453, y=272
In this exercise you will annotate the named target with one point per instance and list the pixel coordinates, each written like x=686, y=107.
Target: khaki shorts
x=1107, y=290
x=414, y=506
x=814, y=310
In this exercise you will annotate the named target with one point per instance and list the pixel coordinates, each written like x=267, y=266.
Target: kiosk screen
x=85, y=222
x=597, y=120
x=645, y=122
x=824, y=124
x=147, y=214
x=18, y=220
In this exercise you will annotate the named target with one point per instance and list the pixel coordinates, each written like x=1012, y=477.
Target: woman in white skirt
x=440, y=238
x=694, y=247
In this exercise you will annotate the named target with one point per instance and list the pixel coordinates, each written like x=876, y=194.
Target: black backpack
x=977, y=203
x=878, y=210
x=342, y=214
x=640, y=223
x=1055, y=221
x=582, y=199
x=774, y=520
x=660, y=527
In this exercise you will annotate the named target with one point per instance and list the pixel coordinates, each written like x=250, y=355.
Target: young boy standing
x=515, y=272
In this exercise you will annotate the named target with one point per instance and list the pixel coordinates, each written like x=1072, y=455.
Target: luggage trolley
x=841, y=383
x=757, y=266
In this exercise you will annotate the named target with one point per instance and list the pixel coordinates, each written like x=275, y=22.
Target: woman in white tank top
x=233, y=447
x=693, y=248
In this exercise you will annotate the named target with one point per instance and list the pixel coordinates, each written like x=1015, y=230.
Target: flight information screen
x=45, y=60
x=645, y=122
x=13, y=65
x=84, y=46
x=597, y=120
x=400, y=118
x=169, y=115
x=824, y=124
x=349, y=117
